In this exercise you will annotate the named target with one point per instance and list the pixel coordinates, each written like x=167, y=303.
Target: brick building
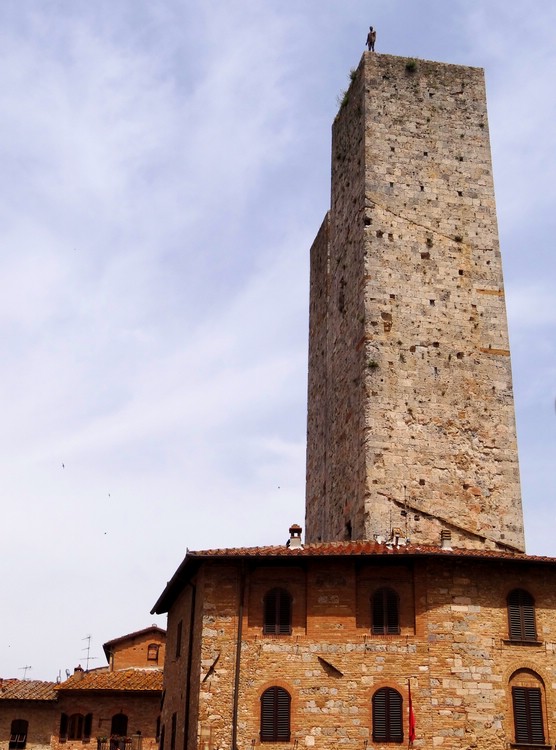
x=412, y=614
x=116, y=707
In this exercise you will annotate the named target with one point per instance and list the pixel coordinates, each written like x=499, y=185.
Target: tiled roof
x=122, y=679
x=27, y=690
x=331, y=549
x=130, y=636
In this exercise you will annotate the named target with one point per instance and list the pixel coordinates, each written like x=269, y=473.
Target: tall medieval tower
x=411, y=427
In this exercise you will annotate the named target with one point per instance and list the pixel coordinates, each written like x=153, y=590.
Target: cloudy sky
x=165, y=167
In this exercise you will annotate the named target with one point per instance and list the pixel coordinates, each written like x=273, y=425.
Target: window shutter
x=528, y=715
x=380, y=725
x=387, y=716
x=535, y=716
x=395, y=733
x=392, y=621
x=267, y=715
x=284, y=613
x=282, y=715
x=63, y=725
x=529, y=629
x=521, y=616
x=275, y=715
x=88, y=726
x=277, y=612
x=378, y=612
x=514, y=619
x=385, y=612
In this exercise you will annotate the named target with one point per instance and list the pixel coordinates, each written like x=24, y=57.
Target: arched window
x=385, y=612
x=275, y=715
x=387, y=716
x=521, y=616
x=18, y=734
x=277, y=612
x=118, y=727
x=527, y=704
x=152, y=652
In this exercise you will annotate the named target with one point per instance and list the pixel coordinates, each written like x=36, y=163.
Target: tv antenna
x=25, y=669
x=87, y=648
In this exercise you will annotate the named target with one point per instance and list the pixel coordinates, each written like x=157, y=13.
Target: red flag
x=411, y=716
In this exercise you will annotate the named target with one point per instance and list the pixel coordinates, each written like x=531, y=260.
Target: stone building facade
x=411, y=615
x=453, y=638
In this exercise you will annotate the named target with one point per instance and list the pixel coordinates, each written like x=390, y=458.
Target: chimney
x=446, y=539
x=78, y=672
x=294, y=542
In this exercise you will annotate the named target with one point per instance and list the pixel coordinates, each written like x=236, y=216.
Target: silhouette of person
x=371, y=39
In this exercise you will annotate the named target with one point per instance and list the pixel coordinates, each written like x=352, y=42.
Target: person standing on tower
x=371, y=39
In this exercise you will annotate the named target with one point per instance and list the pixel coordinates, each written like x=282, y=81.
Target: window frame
x=277, y=612
x=387, y=715
x=152, y=652
x=275, y=716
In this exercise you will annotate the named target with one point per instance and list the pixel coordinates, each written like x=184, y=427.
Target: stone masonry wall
x=417, y=375
x=134, y=653
x=453, y=646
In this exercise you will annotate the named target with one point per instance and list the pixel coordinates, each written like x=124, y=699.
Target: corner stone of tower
x=411, y=425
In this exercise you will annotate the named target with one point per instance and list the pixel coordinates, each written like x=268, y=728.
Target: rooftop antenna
x=27, y=667
x=87, y=648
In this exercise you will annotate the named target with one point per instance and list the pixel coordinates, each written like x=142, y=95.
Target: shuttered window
x=387, y=716
x=385, y=612
x=528, y=720
x=521, y=616
x=275, y=715
x=277, y=612
x=18, y=734
x=78, y=727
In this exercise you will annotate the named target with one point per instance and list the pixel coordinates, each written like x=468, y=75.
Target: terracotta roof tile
x=122, y=679
x=362, y=547
x=330, y=549
x=27, y=690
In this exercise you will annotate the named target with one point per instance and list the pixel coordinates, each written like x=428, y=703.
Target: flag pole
x=411, y=716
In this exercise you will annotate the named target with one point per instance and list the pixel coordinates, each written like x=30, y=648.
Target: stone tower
x=411, y=427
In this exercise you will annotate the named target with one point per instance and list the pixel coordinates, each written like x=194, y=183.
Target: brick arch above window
x=528, y=707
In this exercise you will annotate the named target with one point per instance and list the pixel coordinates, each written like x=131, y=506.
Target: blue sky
x=165, y=167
